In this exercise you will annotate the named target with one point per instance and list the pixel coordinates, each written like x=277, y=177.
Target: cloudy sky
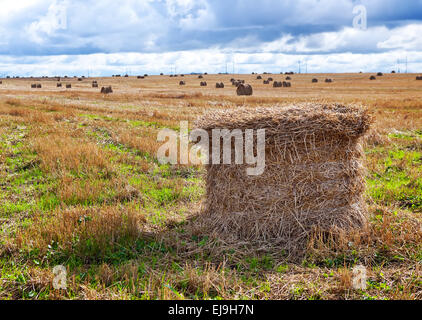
x=92, y=37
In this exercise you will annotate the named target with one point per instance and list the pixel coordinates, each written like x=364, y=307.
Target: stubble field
x=80, y=186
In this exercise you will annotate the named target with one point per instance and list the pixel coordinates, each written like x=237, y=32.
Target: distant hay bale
x=314, y=80
x=328, y=80
x=200, y=76
x=33, y=86
x=266, y=82
x=244, y=90
x=203, y=84
x=106, y=90
x=379, y=74
x=277, y=84
x=95, y=85
x=418, y=77
x=140, y=77
x=219, y=85
x=68, y=86
x=270, y=79
x=79, y=79
x=259, y=78
x=393, y=71
x=182, y=83
x=372, y=78
x=161, y=74
x=313, y=180
x=1, y=82
x=59, y=85
x=39, y=86
x=288, y=78
x=287, y=84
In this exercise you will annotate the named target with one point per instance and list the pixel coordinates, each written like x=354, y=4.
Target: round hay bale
x=68, y=86
x=39, y=86
x=379, y=74
x=277, y=84
x=106, y=90
x=79, y=79
x=244, y=90
x=418, y=77
x=372, y=78
x=95, y=85
x=313, y=179
x=270, y=79
x=266, y=82
x=259, y=78
x=288, y=78
x=59, y=85
x=328, y=80
x=182, y=83
x=33, y=86
x=203, y=84
x=200, y=76
x=314, y=80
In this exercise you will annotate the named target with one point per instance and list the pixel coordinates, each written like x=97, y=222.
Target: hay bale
x=418, y=77
x=200, y=76
x=1, y=82
x=79, y=79
x=287, y=84
x=68, y=86
x=33, y=86
x=277, y=84
x=258, y=78
x=203, y=84
x=288, y=78
x=59, y=85
x=95, y=85
x=379, y=74
x=270, y=79
x=182, y=83
x=39, y=86
x=266, y=82
x=219, y=85
x=372, y=78
x=313, y=178
x=314, y=80
x=106, y=90
x=328, y=80
x=244, y=90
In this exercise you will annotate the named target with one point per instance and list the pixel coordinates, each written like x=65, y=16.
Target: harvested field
x=81, y=186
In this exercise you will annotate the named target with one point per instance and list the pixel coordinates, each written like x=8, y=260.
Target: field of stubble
x=80, y=186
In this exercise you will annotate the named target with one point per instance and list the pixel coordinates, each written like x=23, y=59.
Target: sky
x=101, y=38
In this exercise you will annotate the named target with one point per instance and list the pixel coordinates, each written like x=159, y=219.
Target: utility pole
x=299, y=66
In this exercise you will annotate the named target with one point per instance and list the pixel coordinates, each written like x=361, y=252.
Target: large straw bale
x=313, y=179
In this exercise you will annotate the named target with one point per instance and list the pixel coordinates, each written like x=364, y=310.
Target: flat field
x=80, y=186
